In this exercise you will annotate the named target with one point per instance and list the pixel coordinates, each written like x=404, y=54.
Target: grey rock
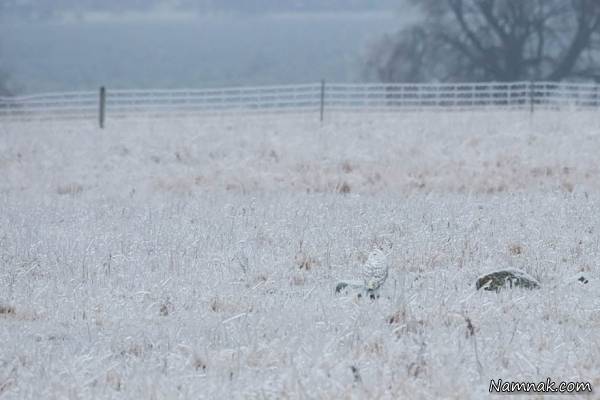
x=508, y=278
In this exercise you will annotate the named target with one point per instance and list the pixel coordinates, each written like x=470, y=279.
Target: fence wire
x=306, y=98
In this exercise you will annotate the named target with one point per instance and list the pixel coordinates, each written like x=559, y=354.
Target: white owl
x=375, y=272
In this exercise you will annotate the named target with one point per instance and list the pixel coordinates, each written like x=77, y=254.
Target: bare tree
x=494, y=40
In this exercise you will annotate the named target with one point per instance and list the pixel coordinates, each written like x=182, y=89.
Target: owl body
x=375, y=272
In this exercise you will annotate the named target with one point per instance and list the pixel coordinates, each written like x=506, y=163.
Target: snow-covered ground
x=198, y=258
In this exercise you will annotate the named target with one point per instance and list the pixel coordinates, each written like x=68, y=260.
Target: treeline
x=49, y=9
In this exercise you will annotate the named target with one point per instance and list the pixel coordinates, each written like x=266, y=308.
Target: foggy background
x=58, y=45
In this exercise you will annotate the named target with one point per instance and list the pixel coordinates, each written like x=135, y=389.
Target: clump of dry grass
x=166, y=308
x=114, y=380
x=177, y=185
x=305, y=262
x=404, y=324
x=229, y=304
x=135, y=349
x=297, y=280
x=6, y=385
x=274, y=156
x=347, y=167
x=198, y=363
x=567, y=186
x=397, y=318
x=516, y=249
x=344, y=188
x=7, y=310
x=70, y=189
x=215, y=305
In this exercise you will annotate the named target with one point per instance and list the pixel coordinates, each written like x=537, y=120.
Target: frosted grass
x=160, y=259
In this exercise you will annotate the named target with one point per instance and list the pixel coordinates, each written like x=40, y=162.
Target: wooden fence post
x=102, y=111
x=322, y=99
x=531, y=96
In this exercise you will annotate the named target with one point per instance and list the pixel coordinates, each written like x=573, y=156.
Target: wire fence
x=319, y=98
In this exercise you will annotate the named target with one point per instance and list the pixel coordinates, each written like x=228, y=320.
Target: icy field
x=198, y=258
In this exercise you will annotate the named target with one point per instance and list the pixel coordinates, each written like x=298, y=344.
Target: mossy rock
x=509, y=278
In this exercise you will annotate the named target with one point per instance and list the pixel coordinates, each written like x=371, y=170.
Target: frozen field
x=198, y=258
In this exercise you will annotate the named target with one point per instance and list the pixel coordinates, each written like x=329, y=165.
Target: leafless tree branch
x=499, y=40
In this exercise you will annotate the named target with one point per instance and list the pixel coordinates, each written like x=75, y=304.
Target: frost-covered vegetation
x=198, y=258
